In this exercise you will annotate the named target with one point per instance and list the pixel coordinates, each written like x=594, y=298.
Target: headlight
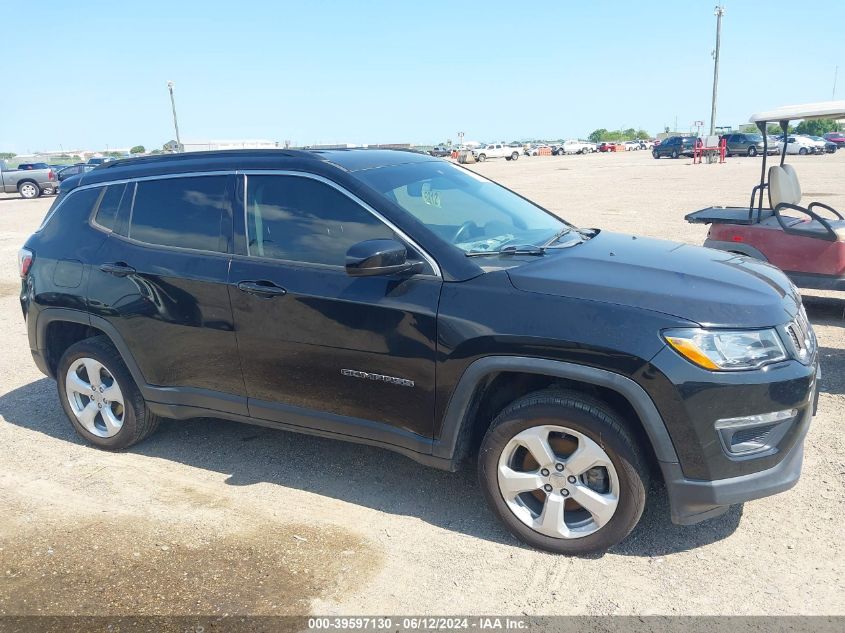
x=727, y=350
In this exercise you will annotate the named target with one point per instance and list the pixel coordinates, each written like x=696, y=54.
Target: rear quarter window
x=74, y=202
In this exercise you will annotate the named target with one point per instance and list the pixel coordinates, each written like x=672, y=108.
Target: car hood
x=709, y=287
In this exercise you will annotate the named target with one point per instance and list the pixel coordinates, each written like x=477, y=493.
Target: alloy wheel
x=28, y=190
x=558, y=481
x=95, y=397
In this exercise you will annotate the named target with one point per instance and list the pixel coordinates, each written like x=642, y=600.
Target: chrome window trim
x=304, y=174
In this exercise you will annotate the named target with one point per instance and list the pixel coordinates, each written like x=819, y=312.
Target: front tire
x=29, y=190
x=515, y=156
x=655, y=153
x=562, y=473
x=752, y=152
x=100, y=398
x=803, y=151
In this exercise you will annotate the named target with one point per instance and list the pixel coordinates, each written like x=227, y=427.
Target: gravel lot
x=215, y=517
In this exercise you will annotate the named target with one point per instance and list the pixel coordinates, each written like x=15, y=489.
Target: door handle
x=118, y=269
x=261, y=288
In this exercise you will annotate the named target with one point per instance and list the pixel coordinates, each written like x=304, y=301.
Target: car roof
x=818, y=110
x=349, y=160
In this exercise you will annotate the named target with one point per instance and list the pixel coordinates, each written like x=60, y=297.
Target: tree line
x=601, y=134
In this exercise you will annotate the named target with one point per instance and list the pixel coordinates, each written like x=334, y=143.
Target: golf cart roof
x=820, y=110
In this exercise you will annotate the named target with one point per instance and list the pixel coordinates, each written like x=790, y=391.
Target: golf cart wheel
x=562, y=472
x=802, y=151
x=655, y=153
x=29, y=190
x=515, y=156
x=481, y=158
x=752, y=152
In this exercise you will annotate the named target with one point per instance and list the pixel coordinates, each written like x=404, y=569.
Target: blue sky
x=378, y=71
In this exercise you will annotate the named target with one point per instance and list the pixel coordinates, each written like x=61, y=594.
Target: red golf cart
x=806, y=242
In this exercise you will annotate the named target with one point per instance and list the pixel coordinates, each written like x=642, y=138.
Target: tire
x=592, y=425
x=48, y=191
x=655, y=153
x=73, y=378
x=675, y=154
x=515, y=156
x=752, y=152
x=481, y=158
x=29, y=190
x=802, y=151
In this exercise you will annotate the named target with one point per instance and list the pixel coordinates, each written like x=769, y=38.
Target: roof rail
x=222, y=153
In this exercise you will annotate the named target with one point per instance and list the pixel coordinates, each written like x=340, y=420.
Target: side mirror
x=379, y=257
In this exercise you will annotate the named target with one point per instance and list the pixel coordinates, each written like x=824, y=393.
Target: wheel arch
x=481, y=390
x=736, y=247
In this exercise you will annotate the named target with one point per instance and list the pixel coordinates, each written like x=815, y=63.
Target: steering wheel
x=466, y=226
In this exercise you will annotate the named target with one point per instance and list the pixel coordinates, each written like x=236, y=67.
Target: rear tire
x=29, y=190
x=106, y=409
x=481, y=158
x=565, y=419
x=515, y=156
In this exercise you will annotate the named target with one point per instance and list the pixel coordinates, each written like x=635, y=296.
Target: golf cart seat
x=785, y=193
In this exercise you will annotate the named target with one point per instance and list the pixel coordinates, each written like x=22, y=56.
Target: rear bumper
x=693, y=500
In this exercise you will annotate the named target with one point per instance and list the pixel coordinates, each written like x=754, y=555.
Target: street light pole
x=718, y=12
x=170, y=85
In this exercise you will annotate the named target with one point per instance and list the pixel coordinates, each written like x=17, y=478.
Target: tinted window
x=76, y=202
x=304, y=220
x=185, y=212
x=109, y=204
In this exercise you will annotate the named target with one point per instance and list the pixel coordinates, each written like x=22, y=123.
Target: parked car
x=495, y=150
x=534, y=150
x=675, y=147
x=73, y=170
x=29, y=183
x=647, y=144
x=609, y=146
x=574, y=146
x=99, y=160
x=829, y=147
x=632, y=146
x=797, y=144
x=440, y=151
x=835, y=137
x=747, y=144
x=392, y=304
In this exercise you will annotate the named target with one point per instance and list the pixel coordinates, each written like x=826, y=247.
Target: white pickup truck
x=495, y=150
x=574, y=146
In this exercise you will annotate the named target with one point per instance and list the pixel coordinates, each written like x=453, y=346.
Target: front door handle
x=118, y=269
x=261, y=288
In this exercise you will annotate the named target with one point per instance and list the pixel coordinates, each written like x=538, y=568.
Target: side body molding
x=464, y=395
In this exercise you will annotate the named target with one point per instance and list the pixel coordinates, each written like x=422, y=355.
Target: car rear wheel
x=100, y=398
x=29, y=190
x=515, y=156
x=481, y=158
x=562, y=473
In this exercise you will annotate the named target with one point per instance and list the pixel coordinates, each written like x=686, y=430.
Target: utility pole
x=718, y=12
x=170, y=85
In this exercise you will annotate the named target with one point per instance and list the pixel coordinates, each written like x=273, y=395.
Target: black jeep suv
x=396, y=299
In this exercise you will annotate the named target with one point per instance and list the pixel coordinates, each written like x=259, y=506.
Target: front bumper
x=693, y=500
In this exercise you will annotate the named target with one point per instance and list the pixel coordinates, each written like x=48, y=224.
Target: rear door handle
x=118, y=269
x=261, y=288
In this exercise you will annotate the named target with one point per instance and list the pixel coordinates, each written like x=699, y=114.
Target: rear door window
x=187, y=212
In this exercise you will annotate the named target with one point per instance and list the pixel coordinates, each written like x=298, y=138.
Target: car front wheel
x=655, y=153
x=752, y=152
x=562, y=473
x=515, y=156
x=100, y=398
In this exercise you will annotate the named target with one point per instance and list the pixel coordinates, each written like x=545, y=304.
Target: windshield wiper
x=511, y=250
x=557, y=236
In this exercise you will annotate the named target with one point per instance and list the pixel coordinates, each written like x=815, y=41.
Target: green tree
x=156, y=151
x=114, y=154
x=138, y=149
x=817, y=127
x=597, y=136
x=774, y=128
x=5, y=155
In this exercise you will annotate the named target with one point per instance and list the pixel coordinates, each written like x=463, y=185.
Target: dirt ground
x=215, y=517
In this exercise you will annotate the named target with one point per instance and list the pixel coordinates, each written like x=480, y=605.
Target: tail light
x=25, y=258
x=51, y=175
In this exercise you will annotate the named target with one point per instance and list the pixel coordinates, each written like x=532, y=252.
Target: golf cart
x=806, y=242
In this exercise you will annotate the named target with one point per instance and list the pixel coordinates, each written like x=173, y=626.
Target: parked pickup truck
x=495, y=150
x=30, y=183
x=573, y=146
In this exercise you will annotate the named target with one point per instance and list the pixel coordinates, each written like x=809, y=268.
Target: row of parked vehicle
x=749, y=144
x=512, y=151
x=32, y=180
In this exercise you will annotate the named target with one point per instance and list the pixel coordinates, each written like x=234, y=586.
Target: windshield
x=463, y=208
